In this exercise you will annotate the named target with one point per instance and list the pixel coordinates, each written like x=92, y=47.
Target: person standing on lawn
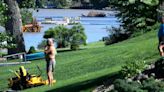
x=50, y=53
x=161, y=37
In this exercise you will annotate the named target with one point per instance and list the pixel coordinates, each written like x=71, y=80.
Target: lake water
x=95, y=27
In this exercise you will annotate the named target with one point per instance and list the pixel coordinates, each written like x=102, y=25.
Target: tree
x=65, y=37
x=3, y=8
x=62, y=3
x=4, y=38
x=159, y=3
x=60, y=34
x=136, y=15
x=161, y=7
x=99, y=4
x=11, y=17
x=13, y=26
x=26, y=16
x=27, y=3
x=150, y=2
x=77, y=36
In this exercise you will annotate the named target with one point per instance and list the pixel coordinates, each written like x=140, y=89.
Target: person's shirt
x=161, y=31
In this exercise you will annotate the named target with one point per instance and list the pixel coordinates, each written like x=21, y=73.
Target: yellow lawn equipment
x=24, y=80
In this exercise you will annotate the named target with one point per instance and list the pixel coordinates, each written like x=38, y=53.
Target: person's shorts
x=51, y=65
x=161, y=39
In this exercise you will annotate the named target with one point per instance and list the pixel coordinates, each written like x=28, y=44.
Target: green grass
x=75, y=68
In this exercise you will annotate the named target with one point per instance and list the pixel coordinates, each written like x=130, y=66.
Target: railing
x=21, y=56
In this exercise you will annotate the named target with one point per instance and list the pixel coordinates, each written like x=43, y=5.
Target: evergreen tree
x=136, y=15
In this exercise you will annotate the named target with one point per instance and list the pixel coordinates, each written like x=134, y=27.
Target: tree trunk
x=14, y=26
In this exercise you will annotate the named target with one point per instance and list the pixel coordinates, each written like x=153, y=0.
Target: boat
x=32, y=27
x=65, y=21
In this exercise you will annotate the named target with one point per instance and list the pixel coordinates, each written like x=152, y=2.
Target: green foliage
x=131, y=69
x=4, y=38
x=148, y=2
x=42, y=44
x=116, y=35
x=124, y=86
x=161, y=8
x=135, y=15
x=74, y=46
x=26, y=16
x=149, y=85
x=77, y=36
x=3, y=8
x=153, y=86
x=60, y=34
x=23, y=4
x=26, y=3
x=32, y=50
x=65, y=37
x=96, y=4
x=151, y=2
x=62, y=3
x=152, y=28
x=99, y=4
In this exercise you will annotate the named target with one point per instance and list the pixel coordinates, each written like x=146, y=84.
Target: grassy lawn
x=91, y=64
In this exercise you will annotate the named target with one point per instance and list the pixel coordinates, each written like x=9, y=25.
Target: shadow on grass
x=106, y=80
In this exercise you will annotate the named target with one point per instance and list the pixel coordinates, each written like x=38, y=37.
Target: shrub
x=74, y=46
x=153, y=86
x=149, y=85
x=124, y=86
x=116, y=35
x=77, y=36
x=136, y=15
x=131, y=69
x=65, y=37
x=31, y=50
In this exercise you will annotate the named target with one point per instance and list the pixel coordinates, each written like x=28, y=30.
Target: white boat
x=65, y=21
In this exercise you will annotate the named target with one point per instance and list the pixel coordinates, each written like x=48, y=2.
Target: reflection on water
x=95, y=28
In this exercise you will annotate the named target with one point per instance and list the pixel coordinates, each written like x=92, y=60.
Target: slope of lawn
x=75, y=67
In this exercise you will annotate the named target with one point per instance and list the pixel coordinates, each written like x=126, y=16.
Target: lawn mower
x=24, y=80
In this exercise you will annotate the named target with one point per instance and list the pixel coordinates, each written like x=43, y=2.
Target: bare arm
x=161, y=48
x=47, y=50
x=51, y=49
